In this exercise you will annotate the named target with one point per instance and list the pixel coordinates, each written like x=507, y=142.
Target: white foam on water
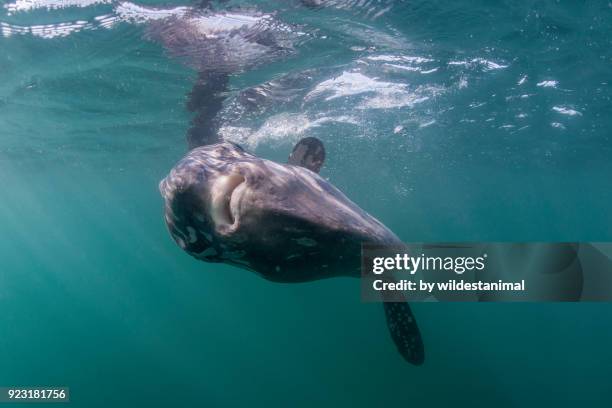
x=427, y=124
x=28, y=5
x=401, y=63
x=429, y=71
x=123, y=12
x=352, y=83
x=399, y=99
x=482, y=63
x=279, y=128
x=134, y=13
x=404, y=67
x=566, y=111
x=399, y=58
x=47, y=31
x=377, y=94
x=127, y=12
x=557, y=125
x=547, y=84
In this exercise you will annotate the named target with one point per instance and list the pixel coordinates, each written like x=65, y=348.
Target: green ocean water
x=469, y=122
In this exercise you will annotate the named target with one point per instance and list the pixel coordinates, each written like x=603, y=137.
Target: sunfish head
x=285, y=222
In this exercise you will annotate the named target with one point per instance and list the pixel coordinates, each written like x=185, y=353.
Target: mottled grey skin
x=289, y=224
x=282, y=221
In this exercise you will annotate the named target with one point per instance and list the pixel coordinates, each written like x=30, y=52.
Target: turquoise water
x=448, y=121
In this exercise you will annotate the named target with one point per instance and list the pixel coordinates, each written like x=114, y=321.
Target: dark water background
x=447, y=120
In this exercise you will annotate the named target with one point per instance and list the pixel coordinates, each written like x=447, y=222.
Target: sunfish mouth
x=225, y=196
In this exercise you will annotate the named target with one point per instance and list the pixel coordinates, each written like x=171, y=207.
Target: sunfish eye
x=224, y=195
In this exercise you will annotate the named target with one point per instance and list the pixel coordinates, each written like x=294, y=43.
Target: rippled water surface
x=446, y=120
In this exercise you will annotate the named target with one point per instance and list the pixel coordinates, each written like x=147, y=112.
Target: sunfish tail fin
x=405, y=332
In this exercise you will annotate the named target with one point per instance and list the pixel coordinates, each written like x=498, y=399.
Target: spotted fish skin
x=404, y=332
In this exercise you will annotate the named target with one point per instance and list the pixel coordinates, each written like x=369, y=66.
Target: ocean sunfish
x=281, y=221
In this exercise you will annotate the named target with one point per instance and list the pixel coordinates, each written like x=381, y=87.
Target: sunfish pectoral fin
x=403, y=327
x=308, y=153
x=405, y=332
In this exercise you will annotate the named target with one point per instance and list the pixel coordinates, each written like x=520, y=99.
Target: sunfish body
x=281, y=221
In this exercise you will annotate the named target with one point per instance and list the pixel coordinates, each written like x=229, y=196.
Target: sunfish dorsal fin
x=309, y=153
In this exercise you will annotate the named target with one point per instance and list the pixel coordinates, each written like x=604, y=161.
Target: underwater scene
x=445, y=121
